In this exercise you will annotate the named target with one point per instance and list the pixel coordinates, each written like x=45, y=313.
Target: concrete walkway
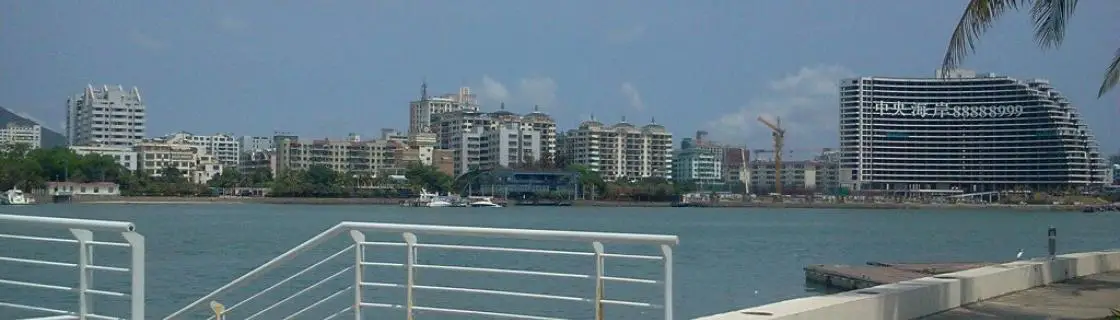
x=1082, y=298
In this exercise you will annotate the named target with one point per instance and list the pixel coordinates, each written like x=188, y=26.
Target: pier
x=847, y=277
x=1070, y=286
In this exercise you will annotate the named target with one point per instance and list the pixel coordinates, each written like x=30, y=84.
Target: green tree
x=1050, y=18
x=429, y=178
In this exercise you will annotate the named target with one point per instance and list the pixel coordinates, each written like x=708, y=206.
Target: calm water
x=727, y=259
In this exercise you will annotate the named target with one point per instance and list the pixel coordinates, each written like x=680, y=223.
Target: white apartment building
x=192, y=161
x=31, y=135
x=546, y=126
x=256, y=143
x=350, y=156
x=421, y=111
x=699, y=165
x=105, y=116
x=620, y=151
x=224, y=147
x=797, y=176
x=479, y=140
x=125, y=156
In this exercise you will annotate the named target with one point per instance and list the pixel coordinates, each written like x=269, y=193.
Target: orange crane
x=779, y=135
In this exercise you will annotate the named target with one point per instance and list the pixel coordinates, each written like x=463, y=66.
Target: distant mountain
x=51, y=138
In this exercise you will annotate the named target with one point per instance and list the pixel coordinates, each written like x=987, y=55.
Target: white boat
x=483, y=202
x=430, y=200
x=14, y=197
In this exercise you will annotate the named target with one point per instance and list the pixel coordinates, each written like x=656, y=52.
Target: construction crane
x=779, y=135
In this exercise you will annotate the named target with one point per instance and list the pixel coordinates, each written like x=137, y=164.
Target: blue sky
x=327, y=68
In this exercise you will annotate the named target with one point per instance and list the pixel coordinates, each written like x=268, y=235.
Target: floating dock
x=872, y=274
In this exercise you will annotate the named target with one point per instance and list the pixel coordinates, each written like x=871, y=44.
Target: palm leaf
x=1111, y=77
x=978, y=17
x=1050, y=17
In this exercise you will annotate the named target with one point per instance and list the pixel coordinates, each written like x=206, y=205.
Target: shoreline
x=579, y=203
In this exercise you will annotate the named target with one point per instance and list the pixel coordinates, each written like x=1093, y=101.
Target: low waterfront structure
x=125, y=156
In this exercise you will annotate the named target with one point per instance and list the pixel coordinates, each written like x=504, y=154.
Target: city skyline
x=358, y=78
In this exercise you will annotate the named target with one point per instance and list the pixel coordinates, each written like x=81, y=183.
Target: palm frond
x=1050, y=17
x=977, y=18
x=1111, y=75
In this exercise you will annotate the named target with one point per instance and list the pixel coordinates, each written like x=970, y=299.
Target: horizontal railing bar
x=289, y=278
x=632, y=256
x=34, y=238
x=39, y=262
x=312, y=286
x=67, y=223
x=631, y=304
x=503, y=271
x=109, y=244
x=383, y=264
x=631, y=280
x=58, y=317
x=381, y=305
x=107, y=268
x=108, y=293
x=382, y=244
x=339, y=313
x=317, y=303
x=33, y=308
x=381, y=285
x=502, y=293
x=98, y=316
x=484, y=313
x=501, y=249
x=525, y=234
x=35, y=285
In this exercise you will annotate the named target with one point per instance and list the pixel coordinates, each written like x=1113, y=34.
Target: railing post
x=137, y=248
x=599, y=270
x=359, y=257
x=85, y=306
x=667, y=253
x=410, y=260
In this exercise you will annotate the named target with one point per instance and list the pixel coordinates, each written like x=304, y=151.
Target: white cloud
x=633, y=96
x=530, y=91
x=146, y=41
x=626, y=35
x=807, y=103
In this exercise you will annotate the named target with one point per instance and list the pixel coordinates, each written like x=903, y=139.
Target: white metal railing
x=83, y=231
x=357, y=245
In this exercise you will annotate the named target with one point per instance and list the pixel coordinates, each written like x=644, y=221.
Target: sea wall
x=926, y=296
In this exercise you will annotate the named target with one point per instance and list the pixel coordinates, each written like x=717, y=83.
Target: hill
x=51, y=138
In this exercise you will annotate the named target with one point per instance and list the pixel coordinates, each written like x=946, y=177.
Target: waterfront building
x=620, y=151
x=31, y=135
x=963, y=132
x=699, y=161
x=798, y=177
x=252, y=161
x=735, y=161
x=125, y=156
x=105, y=115
x=421, y=111
x=1115, y=170
x=348, y=156
x=193, y=162
x=256, y=143
x=524, y=184
x=224, y=147
x=479, y=140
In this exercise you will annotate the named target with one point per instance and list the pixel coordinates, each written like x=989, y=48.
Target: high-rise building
x=256, y=143
x=108, y=116
x=480, y=141
x=224, y=147
x=422, y=112
x=31, y=135
x=963, y=132
x=621, y=151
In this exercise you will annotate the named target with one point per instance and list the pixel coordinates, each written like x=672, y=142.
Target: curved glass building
x=963, y=133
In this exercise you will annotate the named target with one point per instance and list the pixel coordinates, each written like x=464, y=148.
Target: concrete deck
x=1081, y=298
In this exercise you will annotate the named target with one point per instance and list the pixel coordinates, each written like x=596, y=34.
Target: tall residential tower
x=109, y=116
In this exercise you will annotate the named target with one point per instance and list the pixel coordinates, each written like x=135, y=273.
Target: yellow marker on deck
x=219, y=310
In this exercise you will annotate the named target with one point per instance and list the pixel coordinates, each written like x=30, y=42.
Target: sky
x=331, y=67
